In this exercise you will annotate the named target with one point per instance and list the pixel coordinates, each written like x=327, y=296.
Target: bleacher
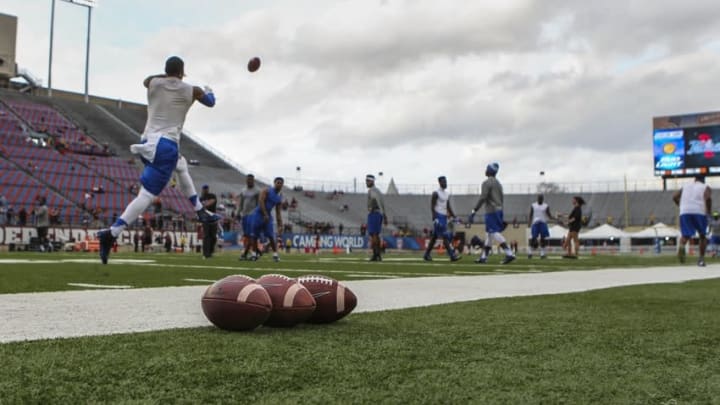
x=111, y=128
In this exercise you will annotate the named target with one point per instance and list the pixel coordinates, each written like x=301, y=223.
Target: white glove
x=135, y=149
x=207, y=89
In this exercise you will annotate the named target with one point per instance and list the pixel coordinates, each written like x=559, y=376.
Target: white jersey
x=442, y=202
x=169, y=100
x=692, y=199
x=539, y=212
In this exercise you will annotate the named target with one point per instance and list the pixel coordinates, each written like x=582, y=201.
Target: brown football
x=333, y=299
x=236, y=303
x=292, y=302
x=254, y=64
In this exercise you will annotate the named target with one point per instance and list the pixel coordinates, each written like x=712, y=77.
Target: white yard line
x=100, y=286
x=35, y=316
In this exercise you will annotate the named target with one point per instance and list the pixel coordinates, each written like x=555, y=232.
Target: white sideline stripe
x=370, y=275
x=34, y=316
x=89, y=261
x=199, y=280
x=108, y=286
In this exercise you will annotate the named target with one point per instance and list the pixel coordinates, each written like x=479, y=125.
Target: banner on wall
x=307, y=240
x=20, y=235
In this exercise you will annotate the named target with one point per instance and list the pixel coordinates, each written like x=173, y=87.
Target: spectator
x=43, y=223
x=210, y=230
x=22, y=217
x=147, y=237
x=168, y=243
x=574, y=224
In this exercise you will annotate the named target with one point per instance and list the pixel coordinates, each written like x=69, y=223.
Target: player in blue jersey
x=261, y=221
x=169, y=99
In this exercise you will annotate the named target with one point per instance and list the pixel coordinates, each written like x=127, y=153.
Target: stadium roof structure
x=658, y=230
x=392, y=188
x=604, y=231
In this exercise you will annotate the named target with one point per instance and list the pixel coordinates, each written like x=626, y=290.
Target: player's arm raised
x=205, y=96
x=148, y=79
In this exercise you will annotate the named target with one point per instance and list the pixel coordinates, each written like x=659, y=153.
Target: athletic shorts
x=246, y=225
x=691, y=223
x=160, y=156
x=374, y=223
x=494, y=222
x=440, y=226
x=539, y=229
x=259, y=228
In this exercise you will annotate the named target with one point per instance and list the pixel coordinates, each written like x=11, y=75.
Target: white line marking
x=91, y=261
x=106, y=286
x=199, y=280
x=372, y=275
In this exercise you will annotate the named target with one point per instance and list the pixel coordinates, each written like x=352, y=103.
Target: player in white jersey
x=695, y=202
x=441, y=211
x=169, y=99
x=538, y=223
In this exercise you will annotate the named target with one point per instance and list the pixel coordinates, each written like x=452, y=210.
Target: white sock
x=542, y=251
x=509, y=252
x=186, y=185
x=136, y=207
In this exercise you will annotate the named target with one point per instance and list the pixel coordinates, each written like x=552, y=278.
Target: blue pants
x=494, y=222
x=374, y=223
x=157, y=173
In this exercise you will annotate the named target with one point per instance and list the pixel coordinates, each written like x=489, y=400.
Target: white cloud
x=418, y=88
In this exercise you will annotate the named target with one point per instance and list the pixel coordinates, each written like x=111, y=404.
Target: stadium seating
x=66, y=178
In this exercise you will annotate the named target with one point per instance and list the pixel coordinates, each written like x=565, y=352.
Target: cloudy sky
x=410, y=88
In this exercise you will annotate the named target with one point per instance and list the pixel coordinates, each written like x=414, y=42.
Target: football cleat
x=701, y=262
x=455, y=258
x=481, y=260
x=427, y=258
x=507, y=259
x=106, y=239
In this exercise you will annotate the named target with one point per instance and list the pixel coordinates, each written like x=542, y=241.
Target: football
x=236, y=303
x=292, y=303
x=333, y=299
x=254, y=64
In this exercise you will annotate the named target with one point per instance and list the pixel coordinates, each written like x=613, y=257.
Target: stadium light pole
x=90, y=4
x=50, y=55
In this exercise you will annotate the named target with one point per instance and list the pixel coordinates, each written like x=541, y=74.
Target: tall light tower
x=90, y=4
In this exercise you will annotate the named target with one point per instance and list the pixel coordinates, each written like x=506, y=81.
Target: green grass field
x=641, y=344
x=35, y=272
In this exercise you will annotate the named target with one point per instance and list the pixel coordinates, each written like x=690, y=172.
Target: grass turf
x=640, y=344
x=37, y=272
